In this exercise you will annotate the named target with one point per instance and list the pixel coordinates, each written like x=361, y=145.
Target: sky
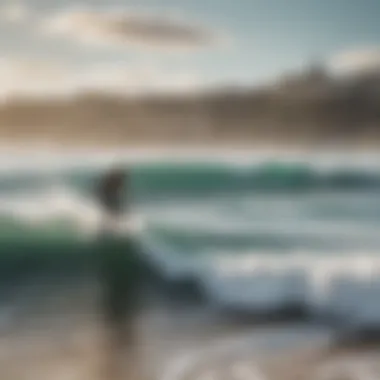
x=181, y=45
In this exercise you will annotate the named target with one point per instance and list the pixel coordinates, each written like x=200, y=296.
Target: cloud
x=356, y=61
x=14, y=13
x=46, y=78
x=129, y=28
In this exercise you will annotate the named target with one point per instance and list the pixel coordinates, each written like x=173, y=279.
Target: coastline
x=183, y=149
x=184, y=343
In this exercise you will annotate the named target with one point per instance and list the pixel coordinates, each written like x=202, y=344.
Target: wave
x=59, y=210
x=334, y=283
x=192, y=176
x=202, y=179
x=338, y=218
x=217, y=222
x=344, y=286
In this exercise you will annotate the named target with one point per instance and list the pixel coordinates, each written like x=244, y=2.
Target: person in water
x=110, y=194
x=119, y=269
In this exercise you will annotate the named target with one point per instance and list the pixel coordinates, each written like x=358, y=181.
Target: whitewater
x=255, y=231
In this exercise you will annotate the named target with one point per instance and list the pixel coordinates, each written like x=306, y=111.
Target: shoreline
x=42, y=156
x=25, y=146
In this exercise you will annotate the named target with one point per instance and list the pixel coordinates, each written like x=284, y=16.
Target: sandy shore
x=200, y=351
x=57, y=336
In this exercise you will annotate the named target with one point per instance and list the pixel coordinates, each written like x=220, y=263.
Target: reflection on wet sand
x=55, y=333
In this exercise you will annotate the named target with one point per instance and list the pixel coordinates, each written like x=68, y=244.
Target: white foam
x=212, y=224
x=242, y=350
x=342, y=286
x=56, y=203
x=45, y=157
x=60, y=204
x=171, y=264
x=345, y=286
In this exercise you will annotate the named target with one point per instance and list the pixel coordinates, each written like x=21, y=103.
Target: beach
x=59, y=337
x=189, y=190
x=251, y=232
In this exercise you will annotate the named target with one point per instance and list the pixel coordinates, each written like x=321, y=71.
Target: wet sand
x=54, y=333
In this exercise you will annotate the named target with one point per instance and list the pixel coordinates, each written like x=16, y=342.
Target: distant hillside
x=307, y=107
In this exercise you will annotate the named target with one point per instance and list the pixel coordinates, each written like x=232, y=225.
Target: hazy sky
x=179, y=43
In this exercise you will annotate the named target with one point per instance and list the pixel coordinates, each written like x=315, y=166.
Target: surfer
x=119, y=271
x=110, y=194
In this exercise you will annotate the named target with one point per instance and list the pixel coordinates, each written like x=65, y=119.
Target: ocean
x=204, y=215
x=255, y=232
